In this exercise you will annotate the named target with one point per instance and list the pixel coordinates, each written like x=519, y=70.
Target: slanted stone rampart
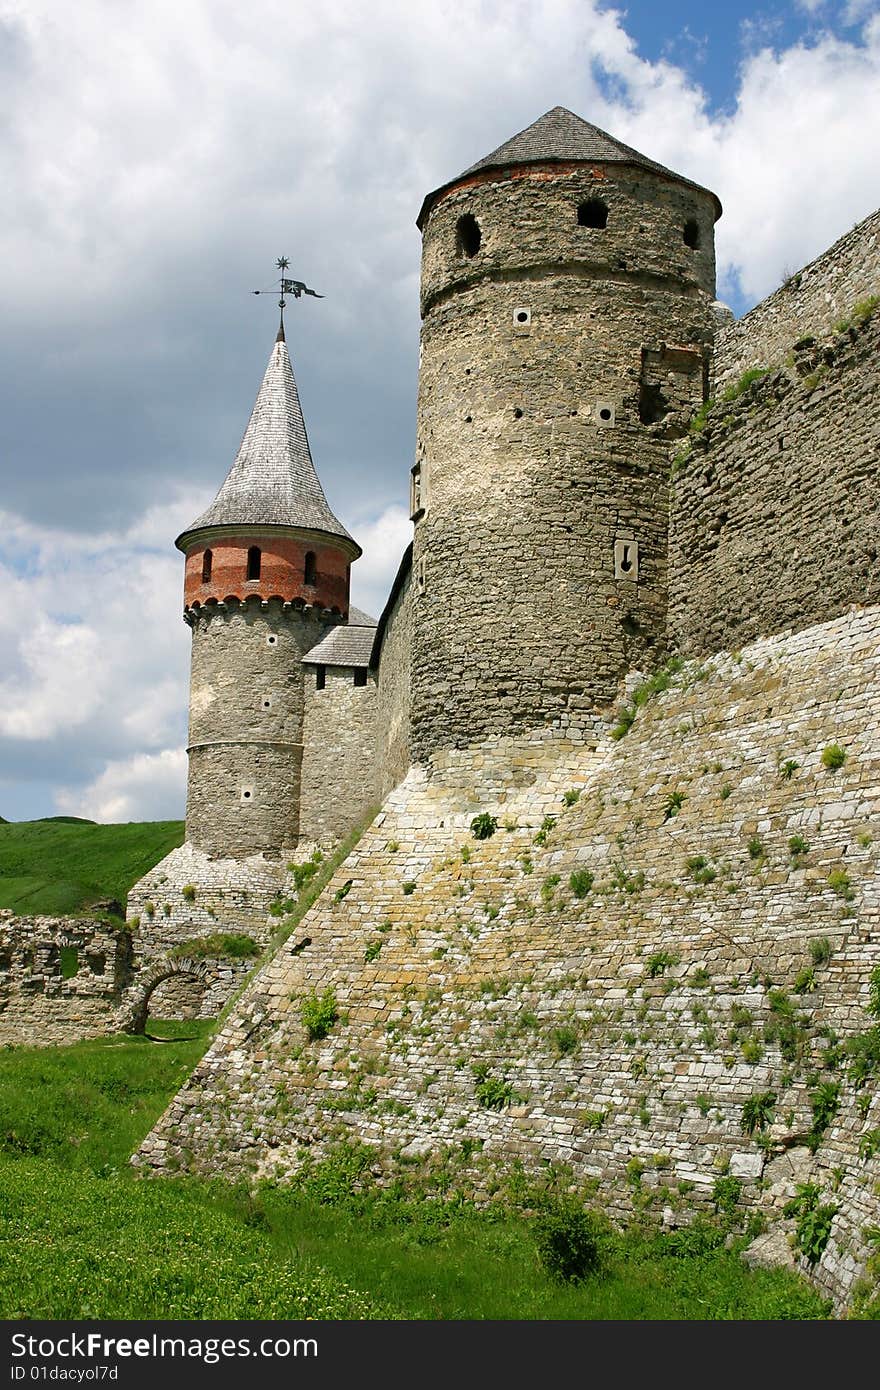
x=652, y=971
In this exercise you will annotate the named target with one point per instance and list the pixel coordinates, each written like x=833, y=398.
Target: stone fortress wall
x=697, y=926
x=808, y=304
x=775, y=506
x=339, y=732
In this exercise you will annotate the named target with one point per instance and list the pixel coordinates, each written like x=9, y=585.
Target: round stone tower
x=267, y=570
x=567, y=293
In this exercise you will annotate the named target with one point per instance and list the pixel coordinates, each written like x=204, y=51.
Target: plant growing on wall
x=484, y=825
x=812, y=1220
x=318, y=1013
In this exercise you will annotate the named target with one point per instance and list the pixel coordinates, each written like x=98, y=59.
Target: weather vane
x=288, y=287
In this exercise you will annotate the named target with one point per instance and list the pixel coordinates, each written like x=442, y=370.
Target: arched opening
x=467, y=235
x=254, y=562
x=310, y=573
x=593, y=213
x=691, y=234
x=207, y=566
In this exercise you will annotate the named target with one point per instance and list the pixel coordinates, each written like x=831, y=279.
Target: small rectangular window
x=360, y=675
x=320, y=677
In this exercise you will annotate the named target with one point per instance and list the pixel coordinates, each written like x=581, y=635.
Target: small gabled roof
x=273, y=480
x=347, y=644
x=559, y=136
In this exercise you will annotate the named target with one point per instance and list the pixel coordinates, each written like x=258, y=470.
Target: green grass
x=81, y=1237
x=63, y=864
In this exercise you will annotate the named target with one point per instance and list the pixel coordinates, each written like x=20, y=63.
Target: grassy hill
x=64, y=864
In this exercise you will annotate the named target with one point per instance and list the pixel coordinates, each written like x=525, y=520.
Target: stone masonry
x=618, y=974
x=775, y=510
x=61, y=978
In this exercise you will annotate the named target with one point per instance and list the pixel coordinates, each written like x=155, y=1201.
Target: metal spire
x=287, y=287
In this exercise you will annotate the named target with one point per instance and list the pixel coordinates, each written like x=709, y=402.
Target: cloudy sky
x=156, y=158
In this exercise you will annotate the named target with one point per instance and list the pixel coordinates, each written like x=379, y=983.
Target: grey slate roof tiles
x=273, y=480
x=558, y=136
x=348, y=644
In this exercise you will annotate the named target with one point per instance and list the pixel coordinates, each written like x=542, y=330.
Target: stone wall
x=394, y=690
x=191, y=895
x=661, y=930
x=557, y=362
x=775, y=515
x=338, y=747
x=61, y=978
x=245, y=732
x=809, y=303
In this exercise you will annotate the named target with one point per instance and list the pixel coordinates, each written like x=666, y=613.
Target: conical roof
x=273, y=480
x=559, y=136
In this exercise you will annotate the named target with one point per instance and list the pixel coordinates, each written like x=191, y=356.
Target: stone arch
x=132, y=1016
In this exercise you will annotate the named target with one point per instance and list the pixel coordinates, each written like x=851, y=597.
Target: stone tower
x=267, y=571
x=567, y=303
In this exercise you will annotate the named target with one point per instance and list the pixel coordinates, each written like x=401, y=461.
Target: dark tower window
x=254, y=561
x=311, y=569
x=360, y=675
x=691, y=234
x=320, y=677
x=593, y=213
x=207, y=562
x=467, y=235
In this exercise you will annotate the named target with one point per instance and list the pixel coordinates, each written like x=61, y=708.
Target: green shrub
x=820, y=950
x=491, y=1091
x=189, y=892
x=318, y=1013
x=838, y=882
x=547, y=825
x=344, y=891
x=483, y=826
x=797, y=846
x=565, y=1039
x=700, y=870
x=372, y=949
x=869, y=1144
x=748, y=378
x=568, y=1239
x=571, y=796
x=833, y=757
x=235, y=945
x=805, y=980
x=580, y=882
x=673, y=804
x=726, y=1193
x=812, y=1220
x=757, y=1112
x=824, y=1102
x=755, y=848
x=409, y=887
x=864, y=1052
x=660, y=961
x=788, y=769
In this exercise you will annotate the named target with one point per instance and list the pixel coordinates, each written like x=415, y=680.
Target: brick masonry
x=626, y=1027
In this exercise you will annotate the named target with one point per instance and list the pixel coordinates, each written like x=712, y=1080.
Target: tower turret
x=267, y=570
x=567, y=292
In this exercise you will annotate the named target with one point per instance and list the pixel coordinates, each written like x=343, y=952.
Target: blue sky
x=155, y=161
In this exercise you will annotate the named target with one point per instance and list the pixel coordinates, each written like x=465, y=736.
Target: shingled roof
x=273, y=480
x=348, y=644
x=559, y=136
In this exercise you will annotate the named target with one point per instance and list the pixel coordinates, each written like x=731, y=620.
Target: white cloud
x=145, y=786
x=384, y=540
